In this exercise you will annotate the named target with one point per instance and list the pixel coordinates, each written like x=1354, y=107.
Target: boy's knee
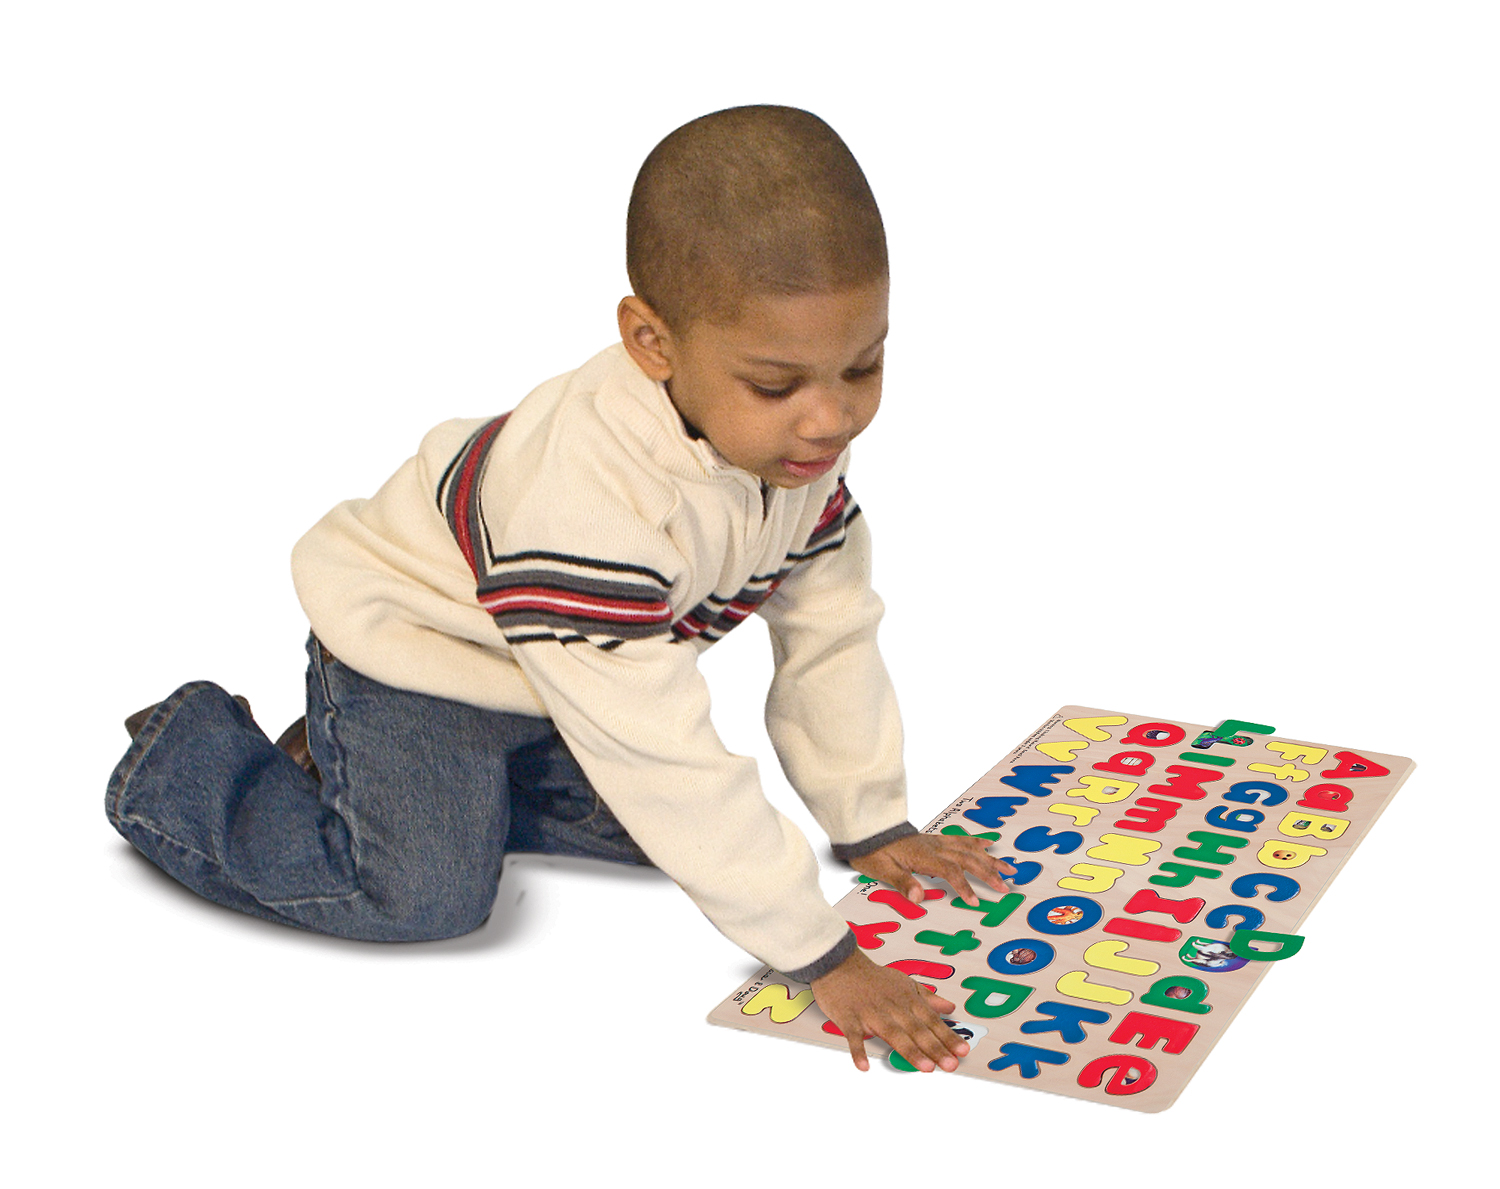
x=441, y=918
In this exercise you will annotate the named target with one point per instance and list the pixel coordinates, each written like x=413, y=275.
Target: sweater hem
x=845, y=851
x=834, y=957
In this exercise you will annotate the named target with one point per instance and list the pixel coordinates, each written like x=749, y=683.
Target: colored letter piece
x=1026, y=871
x=1142, y=930
x=1002, y=958
x=1089, y=728
x=899, y=903
x=867, y=937
x=990, y=811
x=960, y=832
x=1063, y=749
x=1063, y=915
x=1245, y=820
x=1179, y=875
x=1179, y=993
x=1287, y=944
x=1281, y=771
x=1327, y=796
x=1247, y=917
x=1283, y=887
x=1148, y=815
x=912, y=966
x=1297, y=751
x=1129, y=1075
x=1105, y=955
x=1040, y=838
x=1102, y=791
x=1026, y=1058
x=1032, y=778
x=1080, y=815
x=1174, y=1034
x=978, y=1004
x=1067, y=1019
x=1352, y=764
x=1182, y=911
x=1299, y=825
x=1220, y=761
x=1126, y=763
x=1249, y=791
x=994, y=911
x=778, y=1000
x=1090, y=877
x=1209, y=846
x=1184, y=782
x=1121, y=848
x=1234, y=726
x=1154, y=734
x=1075, y=984
x=1285, y=855
x=948, y=943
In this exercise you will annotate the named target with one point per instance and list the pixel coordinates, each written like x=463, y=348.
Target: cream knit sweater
x=574, y=565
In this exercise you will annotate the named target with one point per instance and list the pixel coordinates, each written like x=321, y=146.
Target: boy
x=505, y=636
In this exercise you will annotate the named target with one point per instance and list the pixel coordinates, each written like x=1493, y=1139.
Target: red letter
x=1175, y=1033
x=1185, y=781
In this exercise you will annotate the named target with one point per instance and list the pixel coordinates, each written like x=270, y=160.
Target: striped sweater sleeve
x=831, y=711
x=591, y=629
x=548, y=594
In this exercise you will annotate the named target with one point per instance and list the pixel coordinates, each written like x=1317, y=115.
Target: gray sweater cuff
x=858, y=850
x=817, y=969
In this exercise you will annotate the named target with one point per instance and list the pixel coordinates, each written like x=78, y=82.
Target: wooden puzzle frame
x=1163, y=869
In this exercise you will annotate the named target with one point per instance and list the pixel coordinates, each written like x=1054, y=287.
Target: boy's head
x=752, y=200
x=758, y=260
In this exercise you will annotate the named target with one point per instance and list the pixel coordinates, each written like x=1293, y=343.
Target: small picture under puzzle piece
x=1161, y=870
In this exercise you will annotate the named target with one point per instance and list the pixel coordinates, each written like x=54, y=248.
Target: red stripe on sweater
x=465, y=489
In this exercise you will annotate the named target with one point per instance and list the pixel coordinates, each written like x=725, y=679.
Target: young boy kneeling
x=505, y=637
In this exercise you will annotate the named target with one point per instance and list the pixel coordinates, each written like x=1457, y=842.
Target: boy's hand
x=865, y=999
x=946, y=856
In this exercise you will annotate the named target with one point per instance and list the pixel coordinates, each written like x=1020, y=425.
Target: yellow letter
x=1299, y=825
x=1298, y=751
x=1105, y=956
x=1276, y=853
x=1082, y=815
x=783, y=1008
x=1100, y=879
x=1103, y=791
x=1076, y=984
x=1089, y=727
x=1123, y=848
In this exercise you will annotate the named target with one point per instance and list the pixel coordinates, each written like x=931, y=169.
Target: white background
x=1189, y=412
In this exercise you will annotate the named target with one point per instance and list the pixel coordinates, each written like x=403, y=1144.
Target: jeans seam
x=141, y=746
x=340, y=765
x=142, y=824
x=297, y=901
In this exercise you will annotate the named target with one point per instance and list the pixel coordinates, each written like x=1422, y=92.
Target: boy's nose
x=829, y=421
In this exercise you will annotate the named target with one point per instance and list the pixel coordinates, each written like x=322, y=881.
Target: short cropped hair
x=748, y=201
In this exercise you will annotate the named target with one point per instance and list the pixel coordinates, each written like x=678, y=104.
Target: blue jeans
x=420, y=800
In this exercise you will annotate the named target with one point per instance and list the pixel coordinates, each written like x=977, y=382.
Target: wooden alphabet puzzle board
x=1162, y=870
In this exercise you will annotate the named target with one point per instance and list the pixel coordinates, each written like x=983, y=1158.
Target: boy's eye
x=863, y=373
x=772, y=393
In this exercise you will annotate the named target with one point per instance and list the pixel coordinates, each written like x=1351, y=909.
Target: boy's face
x=782, y=390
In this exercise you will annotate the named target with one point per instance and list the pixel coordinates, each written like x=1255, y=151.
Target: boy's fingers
x=857, y=1049
x=960, y=884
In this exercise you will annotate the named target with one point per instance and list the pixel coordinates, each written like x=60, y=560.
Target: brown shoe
x=293, y=741
x=136, y=721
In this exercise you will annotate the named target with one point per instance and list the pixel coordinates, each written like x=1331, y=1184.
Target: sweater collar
x=648, y=412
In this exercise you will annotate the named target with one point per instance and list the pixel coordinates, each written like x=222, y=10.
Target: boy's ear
x=646, y=337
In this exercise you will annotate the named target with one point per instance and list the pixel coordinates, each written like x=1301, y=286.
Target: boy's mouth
x=810, y=470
